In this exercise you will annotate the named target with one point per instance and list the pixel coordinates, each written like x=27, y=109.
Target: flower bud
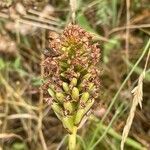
x=62, y=74
x=60, y=97
x=69, y=106
x=57, y=109
x=51, y=93
x=75, y=94
x=82, y=111
x=66, y=87
x=73, y=82
x=84, y=98
x=63, y=48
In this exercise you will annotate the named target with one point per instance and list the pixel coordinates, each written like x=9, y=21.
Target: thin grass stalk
x=39, y=126
x=62, y=142
x=127, y=36
x=130, y=142
x=82, y=142
x=108, y=127
x=114, y=8
x=73, y=5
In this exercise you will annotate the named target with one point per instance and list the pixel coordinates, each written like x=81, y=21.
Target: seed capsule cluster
x=72, y=75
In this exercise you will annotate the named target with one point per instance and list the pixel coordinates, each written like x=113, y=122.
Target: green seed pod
x=66, y=87
x=57, y=109
x=69, y=106
x=51, y=93
x=73, y=82
x=68, y=123
x=75, y=94
x=85, y=96
x=60, y=97
x=82, y=111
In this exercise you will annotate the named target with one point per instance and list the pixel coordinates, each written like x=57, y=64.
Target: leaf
x=83, y=22
x=17, y=63
x=2, y=63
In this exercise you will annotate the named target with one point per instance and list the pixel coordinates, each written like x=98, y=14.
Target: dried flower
x=72, y=75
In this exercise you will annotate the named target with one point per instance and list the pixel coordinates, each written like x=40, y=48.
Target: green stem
x=72, y=139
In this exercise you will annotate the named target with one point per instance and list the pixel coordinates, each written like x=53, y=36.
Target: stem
x=72, y=139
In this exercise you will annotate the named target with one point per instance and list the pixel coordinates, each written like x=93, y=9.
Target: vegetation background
x=122, y=29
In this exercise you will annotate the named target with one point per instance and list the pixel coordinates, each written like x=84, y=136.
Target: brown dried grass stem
x=137, y=99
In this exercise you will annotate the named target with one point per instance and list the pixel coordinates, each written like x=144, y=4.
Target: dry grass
x=137, y=100
x=73, y=6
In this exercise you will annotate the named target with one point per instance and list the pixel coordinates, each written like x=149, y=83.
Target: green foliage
x=104, y=12
x=17, y=63
x=37, y=81
x=2, y=64
x=83, y=22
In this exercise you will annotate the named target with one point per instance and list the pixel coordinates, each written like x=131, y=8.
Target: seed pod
x=69, y=106
x=51, y=93
x=75, y=94
x=73, y=82
x=66, y=87
x=60, y=97
x=85, y=96
x=57, y=109
x=68, y=123
x=82, y=111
